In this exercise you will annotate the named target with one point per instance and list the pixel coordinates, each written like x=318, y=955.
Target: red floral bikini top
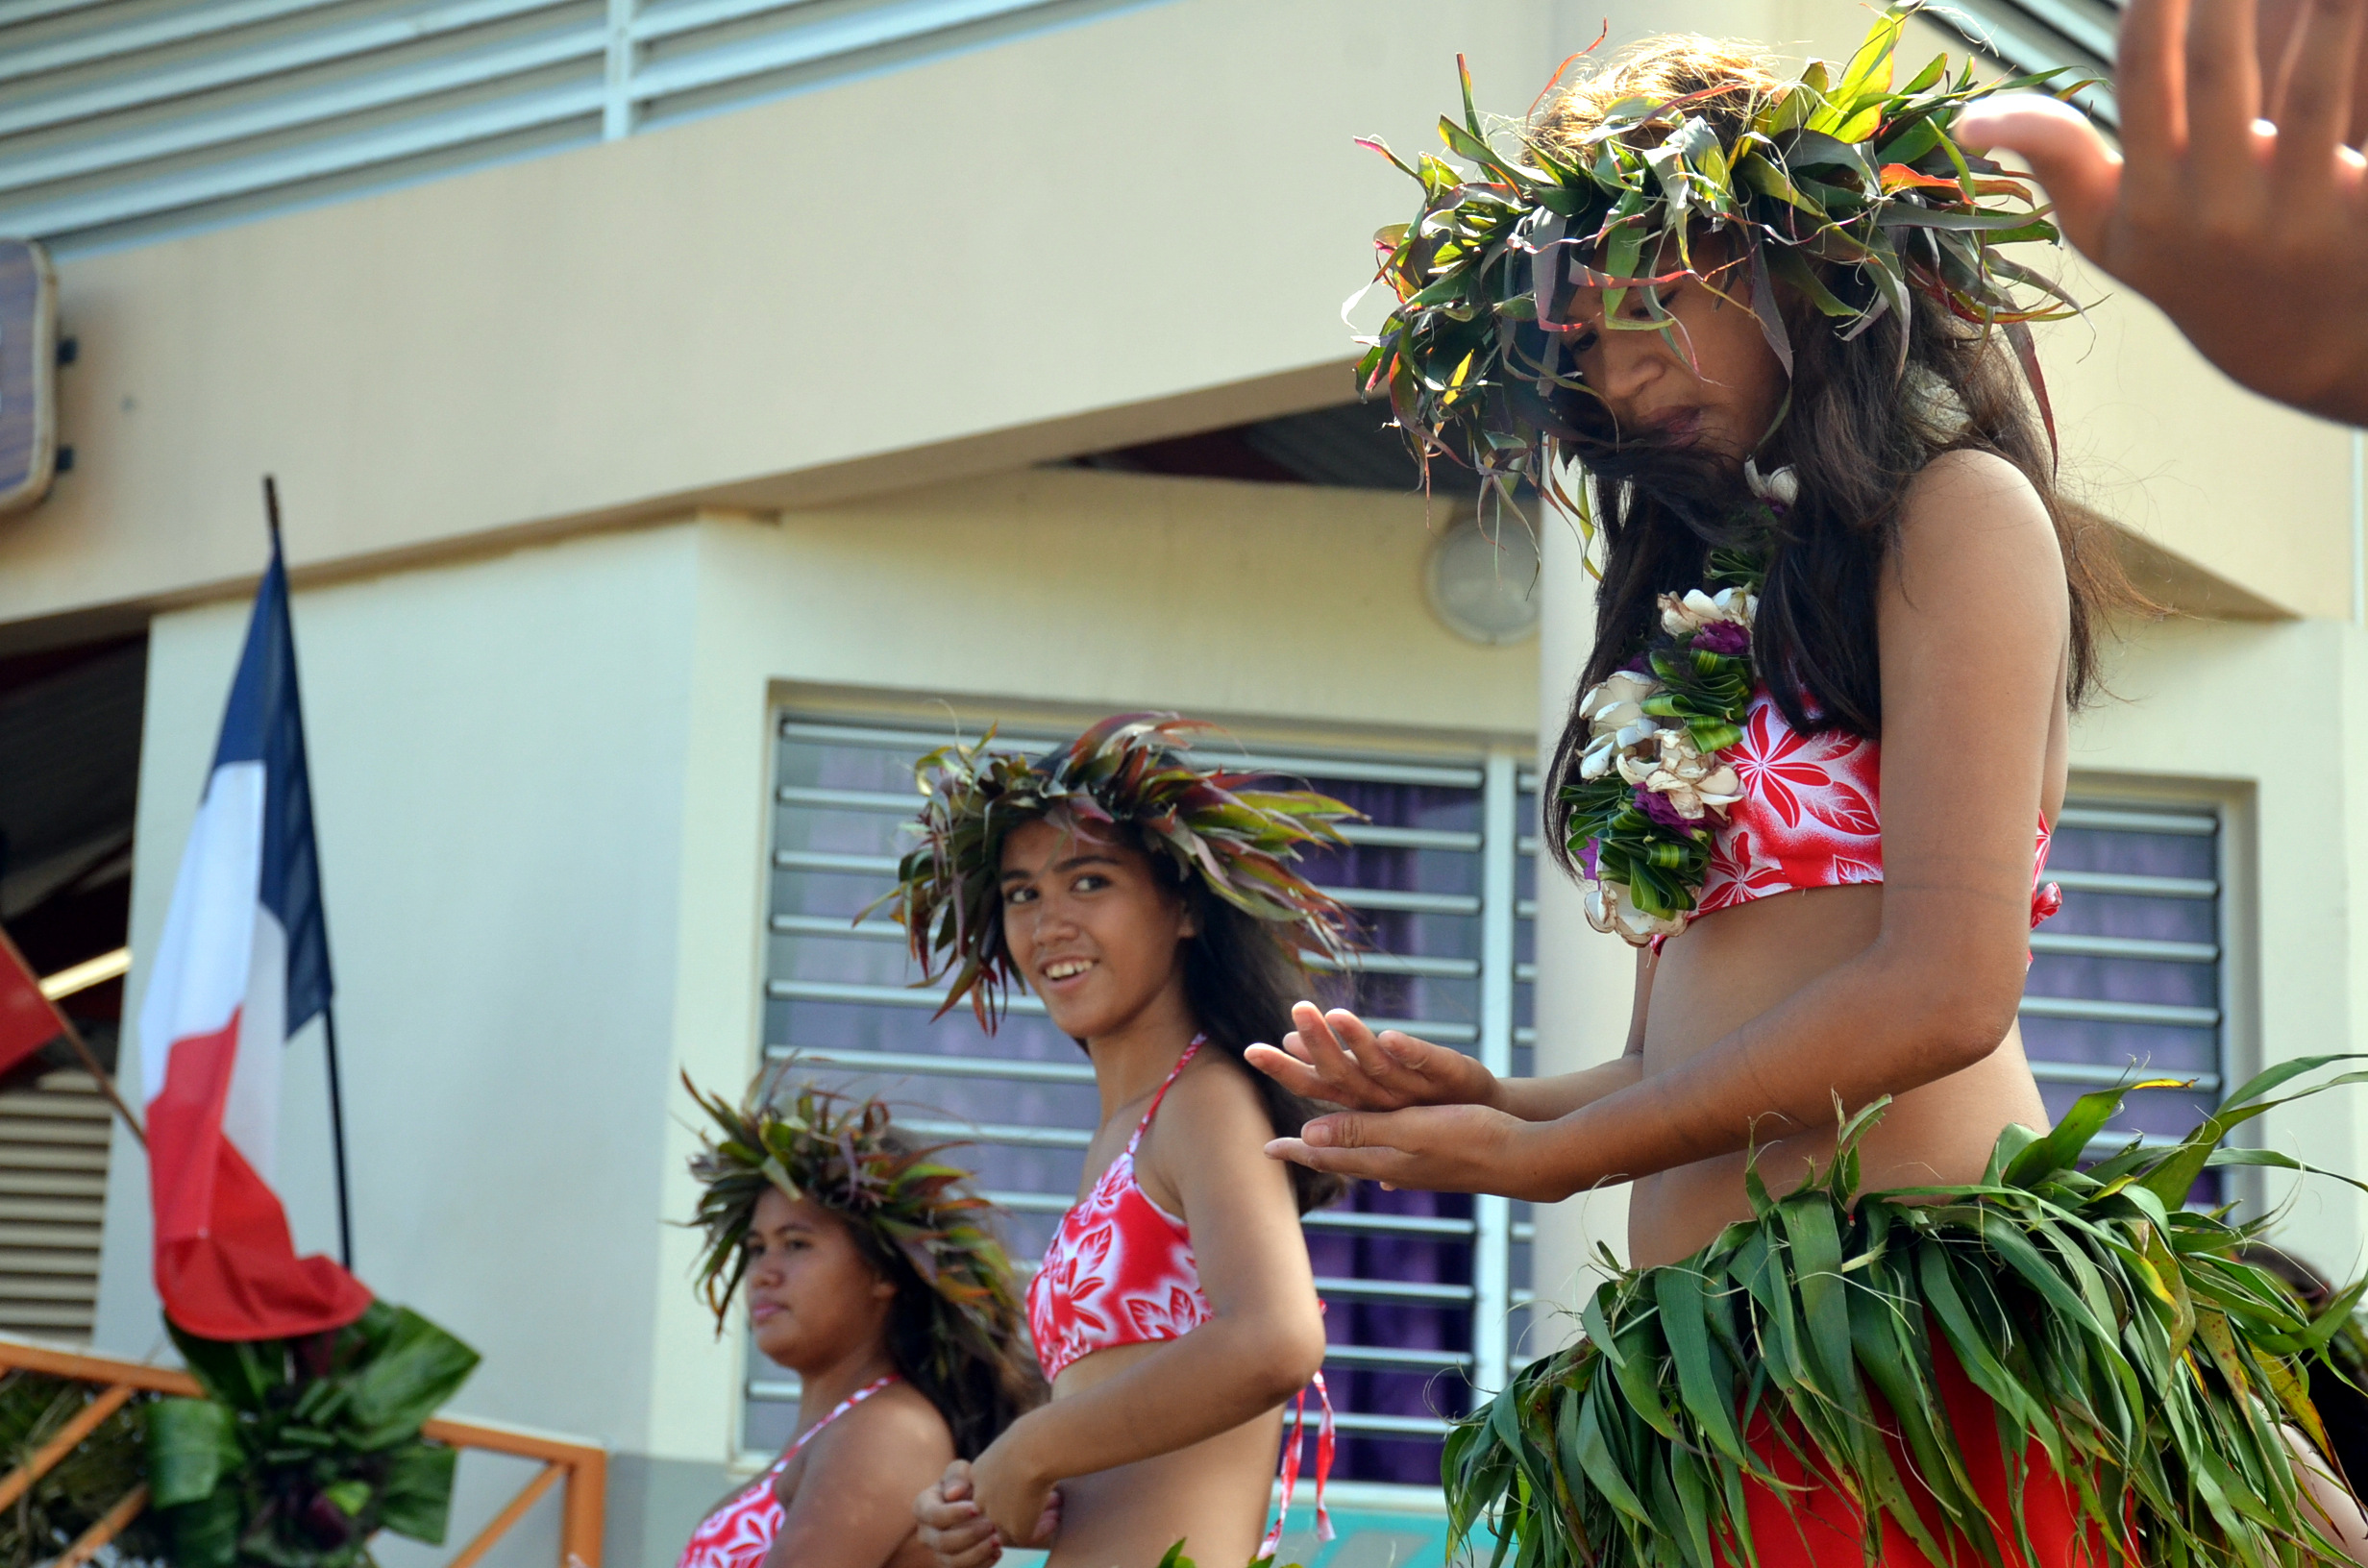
x=1120, y=1269
x=1810, y=816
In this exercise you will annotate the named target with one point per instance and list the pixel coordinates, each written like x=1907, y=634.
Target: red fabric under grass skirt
x=1821, y=1527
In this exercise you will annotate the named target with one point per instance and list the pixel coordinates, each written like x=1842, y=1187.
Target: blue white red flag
x=242, y=966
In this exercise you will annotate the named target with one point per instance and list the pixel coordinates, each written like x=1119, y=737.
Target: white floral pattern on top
x=1120, y=1270
x=1810, y=816
x=739, y=1533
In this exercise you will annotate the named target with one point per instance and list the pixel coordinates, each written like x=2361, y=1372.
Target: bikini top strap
x=1174, y=1073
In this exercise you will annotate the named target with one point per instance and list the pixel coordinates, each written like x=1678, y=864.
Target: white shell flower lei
x=1658, y=755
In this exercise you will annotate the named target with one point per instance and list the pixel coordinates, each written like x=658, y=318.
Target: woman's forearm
x=1550, y=1099
x=1863, y=1030
x=1227, y=1371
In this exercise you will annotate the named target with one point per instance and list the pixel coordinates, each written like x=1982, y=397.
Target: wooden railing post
x=583, y=1468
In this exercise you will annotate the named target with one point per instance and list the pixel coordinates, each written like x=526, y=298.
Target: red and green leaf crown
x=848, y=1157
x=1829, y=172
x=1132, y=769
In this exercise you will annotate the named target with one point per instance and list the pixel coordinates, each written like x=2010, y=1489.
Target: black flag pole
x=329, y=1008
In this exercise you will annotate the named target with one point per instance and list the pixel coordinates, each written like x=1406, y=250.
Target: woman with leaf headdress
x=873, y=1273
x=1764, y=337
x=1153, y=903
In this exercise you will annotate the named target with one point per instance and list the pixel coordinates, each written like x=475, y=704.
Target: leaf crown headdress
x=847, y=1156
x=1833, y=171
x=1130, y=768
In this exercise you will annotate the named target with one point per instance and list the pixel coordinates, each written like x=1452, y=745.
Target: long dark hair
x=977, y=1372
x=1241, y=983
x=1865, y=417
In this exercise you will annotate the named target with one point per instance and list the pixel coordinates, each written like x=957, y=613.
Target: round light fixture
x=1482, y=582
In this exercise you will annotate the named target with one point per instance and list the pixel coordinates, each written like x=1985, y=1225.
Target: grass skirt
x=1834, y=1357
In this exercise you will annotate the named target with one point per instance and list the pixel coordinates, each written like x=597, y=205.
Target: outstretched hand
x=2251, y=235
x=1334, y=1056
x=1437, y=1148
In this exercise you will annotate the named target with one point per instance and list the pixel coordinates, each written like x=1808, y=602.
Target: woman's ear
x=883, y=1288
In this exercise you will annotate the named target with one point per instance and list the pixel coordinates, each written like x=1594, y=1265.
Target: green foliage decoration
x=1839, y=172
x=1659, y=866
x=304, y=1449
x=2122, y=1334
x=92, y=1477
x=1134, y=769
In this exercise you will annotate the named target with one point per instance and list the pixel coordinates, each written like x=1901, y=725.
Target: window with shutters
x=2130, y=980
x=53, y=1193
x=1420, y=1287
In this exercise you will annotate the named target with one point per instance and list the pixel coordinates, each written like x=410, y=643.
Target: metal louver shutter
x=2127, y=983
x=53, y=1193
x=2030, y=35
x=126, y=120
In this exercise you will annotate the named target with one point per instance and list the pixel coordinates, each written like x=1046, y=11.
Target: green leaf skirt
x=2051, y=1366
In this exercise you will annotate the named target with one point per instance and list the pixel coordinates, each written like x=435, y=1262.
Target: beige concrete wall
x=1106, y=233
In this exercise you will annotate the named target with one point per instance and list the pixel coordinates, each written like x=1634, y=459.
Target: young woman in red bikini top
x=1843, y=618
x=900, y=1374
x=1148, y=900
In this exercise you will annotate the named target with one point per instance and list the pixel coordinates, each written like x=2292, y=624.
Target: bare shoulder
x=1212, y=1127
x=894, y=1443
x=1974, y=501
x=1214, y=1098
x=1972, y=528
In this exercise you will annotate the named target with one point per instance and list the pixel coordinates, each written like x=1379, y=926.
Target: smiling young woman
x=1809, y=771
x=1149, y=902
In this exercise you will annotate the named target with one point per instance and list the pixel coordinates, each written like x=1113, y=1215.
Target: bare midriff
x=1730, y=967
x=1213, y=1494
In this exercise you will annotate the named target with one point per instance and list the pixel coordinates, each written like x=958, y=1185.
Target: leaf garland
x=1649, y=869
x=2123, y=1335
x=1131, y=769
x=1835, y=170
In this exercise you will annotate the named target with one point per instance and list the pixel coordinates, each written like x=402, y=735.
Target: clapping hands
x=1335, y=1058
x=1422, y=1116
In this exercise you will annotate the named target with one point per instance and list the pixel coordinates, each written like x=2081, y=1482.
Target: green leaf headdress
x=1835, y=175
x=898, y=1196
x=1130, y=768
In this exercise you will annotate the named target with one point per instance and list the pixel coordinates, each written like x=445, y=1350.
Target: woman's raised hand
x=2236, y=200
x=1334, y=1056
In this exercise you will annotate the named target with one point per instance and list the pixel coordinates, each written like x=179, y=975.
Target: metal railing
x=581, y=1468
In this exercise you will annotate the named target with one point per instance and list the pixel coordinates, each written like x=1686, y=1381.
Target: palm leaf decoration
x=2123, y=1335
x=1133, y=768
x=1838, y=172
x=304, y=1449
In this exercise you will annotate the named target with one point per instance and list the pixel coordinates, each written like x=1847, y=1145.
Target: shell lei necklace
x=1652, y=783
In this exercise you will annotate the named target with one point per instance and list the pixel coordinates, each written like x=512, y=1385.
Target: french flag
x=242, y=966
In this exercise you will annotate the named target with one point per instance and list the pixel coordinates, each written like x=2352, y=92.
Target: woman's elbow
x=1289, y=1354
x=1955, y=1015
